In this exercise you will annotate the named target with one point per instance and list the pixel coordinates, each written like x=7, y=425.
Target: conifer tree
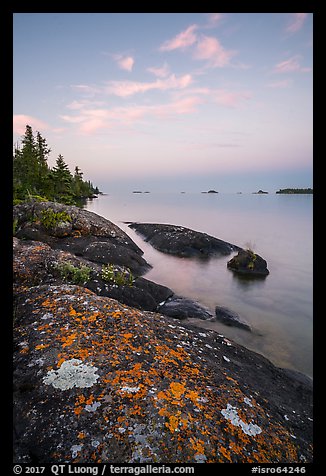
x=62, y=180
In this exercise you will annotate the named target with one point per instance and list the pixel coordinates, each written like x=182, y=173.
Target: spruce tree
x=62, y=181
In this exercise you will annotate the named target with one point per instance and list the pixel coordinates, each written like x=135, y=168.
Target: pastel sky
x=178, y=101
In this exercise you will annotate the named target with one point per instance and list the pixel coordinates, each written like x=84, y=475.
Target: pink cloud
x=230, y=98
x=182, y=40
x=210, y=49
x=296, y=23
x=290, y=65
x=126, y=63
x=214, y=18
x=161, y=72
x=21, y=120
x=89, y=121
x=128, y=88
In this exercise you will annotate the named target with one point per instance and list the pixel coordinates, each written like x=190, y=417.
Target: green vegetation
x=50, y=218
x=70, y=273
x=120, y=278
x=295, y=190
x=15, y=226
x=34, y=179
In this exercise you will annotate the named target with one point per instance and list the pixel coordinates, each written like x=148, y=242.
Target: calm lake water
x=277, y=227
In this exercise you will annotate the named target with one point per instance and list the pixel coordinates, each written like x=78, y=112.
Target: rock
x=259, y=191
x=80, y=232
x=248, y=263
x=181, y=241
x=97, y=381
x=231, y=318
x=37, y=263
x=183, y=308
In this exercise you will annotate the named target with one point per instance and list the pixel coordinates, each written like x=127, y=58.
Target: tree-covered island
x=33, y=178
x=295, y=190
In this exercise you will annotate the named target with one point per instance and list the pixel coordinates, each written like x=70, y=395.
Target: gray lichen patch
x=231, y=414
x=72, y=373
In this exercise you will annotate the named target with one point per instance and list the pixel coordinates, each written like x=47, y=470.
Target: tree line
x=33, y=178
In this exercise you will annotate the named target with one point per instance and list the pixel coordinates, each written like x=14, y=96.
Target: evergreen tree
x=25, y=164
x=62, y=180
x=32, y=176
x=42, y=151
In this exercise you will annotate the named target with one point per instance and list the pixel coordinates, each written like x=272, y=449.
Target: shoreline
x=165, y=372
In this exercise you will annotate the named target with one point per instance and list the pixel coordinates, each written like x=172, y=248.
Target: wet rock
x=97, y=381
x=231, y=318
x=181, y=241
x=248, y=263
x=183, y=308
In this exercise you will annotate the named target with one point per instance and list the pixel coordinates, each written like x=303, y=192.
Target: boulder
x=181, y=241
x=80, y=232
x=96, y=381
x=37, y=263
x=231, y=318
x=183, y=308
x=248, y=263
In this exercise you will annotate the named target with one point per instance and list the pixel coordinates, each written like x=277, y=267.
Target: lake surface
x=277, y=227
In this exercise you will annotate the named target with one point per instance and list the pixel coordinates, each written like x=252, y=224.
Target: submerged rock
x=248, y=263
x=231, y=318
x=181, y=241
x=98, y=381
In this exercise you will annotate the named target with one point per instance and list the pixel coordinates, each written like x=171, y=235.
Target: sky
x=170, y=101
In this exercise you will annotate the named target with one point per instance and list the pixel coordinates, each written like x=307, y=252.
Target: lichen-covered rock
x=248, y=263
x=37, y=263
x=98, y=381
x=78, y=231
x=181, y=241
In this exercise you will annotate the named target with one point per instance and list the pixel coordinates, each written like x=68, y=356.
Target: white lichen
x=93, y=407
x=226, y=359
x=72, y=373
x=130, y=389
x=248, y=401
x=231, y=414
x=74, y=450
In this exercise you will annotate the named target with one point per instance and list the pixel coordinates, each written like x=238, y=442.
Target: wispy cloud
x=296, y=22
x=129, y=88
x=124, y=62
x=160, y=72
x=182, y=40
x=285, y=83
x=213, y=19
x=291, y=65
x=89, y=121
x=210, y=49
x=230, y=98
x=21, y=120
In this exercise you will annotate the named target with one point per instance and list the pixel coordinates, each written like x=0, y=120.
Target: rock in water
x=181, y=241
x=231, y=318
x=248, y=263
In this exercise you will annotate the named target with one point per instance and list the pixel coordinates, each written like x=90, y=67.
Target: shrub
x=73, y=274
x=50, y=218
x=15, y=226
x=120, y=278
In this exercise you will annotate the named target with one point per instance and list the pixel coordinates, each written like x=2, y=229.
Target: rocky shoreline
x=105, y=371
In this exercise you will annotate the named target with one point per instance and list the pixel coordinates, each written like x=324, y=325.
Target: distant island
x=210, y=191
x=295, y=190
x=259, y=191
